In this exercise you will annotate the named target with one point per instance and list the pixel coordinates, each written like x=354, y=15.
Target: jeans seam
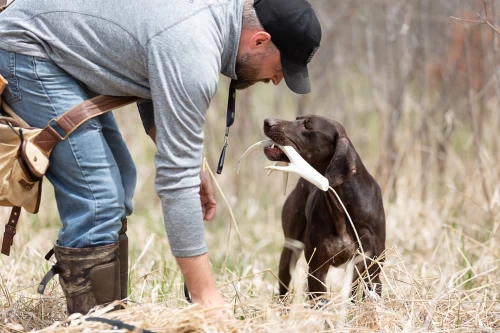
x=16, y=93
x=35, y=73
x=75, y=155
x=12, y=64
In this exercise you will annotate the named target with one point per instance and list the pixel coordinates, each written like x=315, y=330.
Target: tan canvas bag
x=21, y=164
x=25, y=151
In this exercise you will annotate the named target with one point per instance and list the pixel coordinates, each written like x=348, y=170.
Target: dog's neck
x=321, y=168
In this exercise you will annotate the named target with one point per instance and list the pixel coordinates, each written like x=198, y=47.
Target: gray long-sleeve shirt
x=170, y=51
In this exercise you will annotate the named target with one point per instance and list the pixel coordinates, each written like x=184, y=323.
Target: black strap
x=49, y=254
x=118, y=324
x=231, y=110
x=49, y=276
x=187, y=295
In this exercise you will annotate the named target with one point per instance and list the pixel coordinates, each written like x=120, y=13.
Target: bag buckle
x=60, y=137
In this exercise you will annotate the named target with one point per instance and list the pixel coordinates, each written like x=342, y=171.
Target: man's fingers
x=210, y=212
x=206, y=186
x=207, y=197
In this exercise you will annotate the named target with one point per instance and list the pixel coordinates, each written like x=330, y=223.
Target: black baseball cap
x=296, y=32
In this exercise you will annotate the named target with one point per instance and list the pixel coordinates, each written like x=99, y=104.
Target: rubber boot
x=123, y=241
x=89, y=276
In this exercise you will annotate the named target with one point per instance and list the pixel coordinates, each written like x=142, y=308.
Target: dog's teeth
x=272, y=146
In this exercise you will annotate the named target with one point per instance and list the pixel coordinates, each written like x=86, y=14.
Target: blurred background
x=418, y=92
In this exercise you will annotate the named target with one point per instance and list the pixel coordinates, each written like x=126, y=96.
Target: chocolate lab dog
x=316, y=218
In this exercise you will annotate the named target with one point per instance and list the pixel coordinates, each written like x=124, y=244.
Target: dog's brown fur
x=316, y=218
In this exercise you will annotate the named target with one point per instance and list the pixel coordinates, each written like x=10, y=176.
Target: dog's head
x=321, y=142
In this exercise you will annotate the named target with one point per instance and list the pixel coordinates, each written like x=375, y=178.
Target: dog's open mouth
x=274, y=153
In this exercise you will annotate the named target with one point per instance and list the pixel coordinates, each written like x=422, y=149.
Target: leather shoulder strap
x=74, y=117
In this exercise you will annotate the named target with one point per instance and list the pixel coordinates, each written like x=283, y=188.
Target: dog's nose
x=268, y=123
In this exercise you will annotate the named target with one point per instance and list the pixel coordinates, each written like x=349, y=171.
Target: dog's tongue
x=274, y=153
x=297, y=164
x=273, y=149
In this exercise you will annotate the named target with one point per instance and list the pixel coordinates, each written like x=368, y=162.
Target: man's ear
x=343, y=164
x=260, y=39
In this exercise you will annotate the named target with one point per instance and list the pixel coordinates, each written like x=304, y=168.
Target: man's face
x=258, y=66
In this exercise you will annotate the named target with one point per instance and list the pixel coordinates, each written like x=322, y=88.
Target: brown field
x=432, y=142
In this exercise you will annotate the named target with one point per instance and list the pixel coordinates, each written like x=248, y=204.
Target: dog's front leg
x=294, y=225
x=288, y=261
x=368, y=281
x=318, y=269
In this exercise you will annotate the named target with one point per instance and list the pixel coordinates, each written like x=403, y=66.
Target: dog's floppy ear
x=343, y=164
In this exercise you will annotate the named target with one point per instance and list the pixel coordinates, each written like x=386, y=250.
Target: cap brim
x=296, y=77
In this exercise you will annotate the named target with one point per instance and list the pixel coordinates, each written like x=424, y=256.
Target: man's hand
x=207, y=196
x=200, y=281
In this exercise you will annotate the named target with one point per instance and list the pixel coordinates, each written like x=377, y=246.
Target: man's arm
x=183, y=77
x=207, y=194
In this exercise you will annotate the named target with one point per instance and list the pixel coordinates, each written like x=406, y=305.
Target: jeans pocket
x=12, y=93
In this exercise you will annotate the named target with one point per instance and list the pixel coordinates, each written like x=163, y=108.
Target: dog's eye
x=306, y=124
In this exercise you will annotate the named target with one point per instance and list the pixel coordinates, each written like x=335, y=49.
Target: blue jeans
x=92, y=171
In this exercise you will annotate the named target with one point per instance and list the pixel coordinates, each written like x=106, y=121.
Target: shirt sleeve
x=183, y=79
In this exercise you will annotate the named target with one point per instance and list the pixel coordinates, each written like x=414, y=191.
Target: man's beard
x=247, y=70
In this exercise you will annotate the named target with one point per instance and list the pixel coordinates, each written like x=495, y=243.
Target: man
x=58, y=53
